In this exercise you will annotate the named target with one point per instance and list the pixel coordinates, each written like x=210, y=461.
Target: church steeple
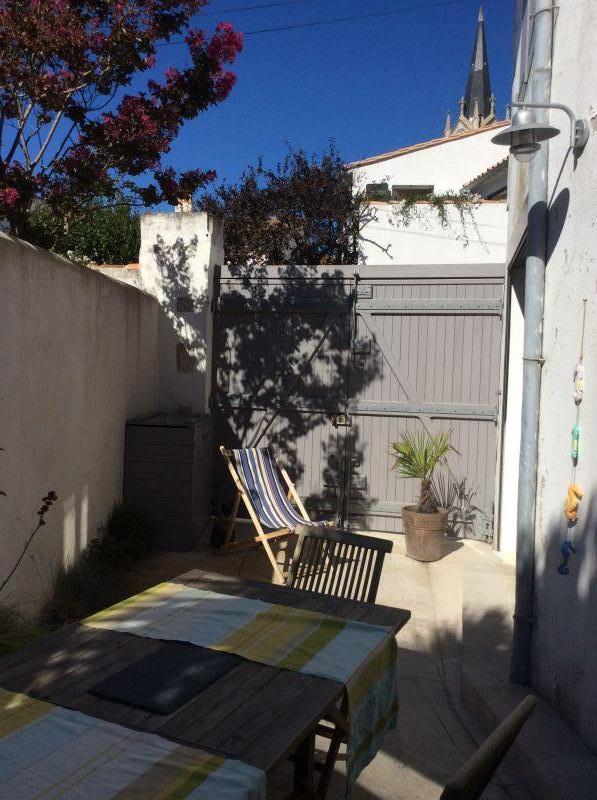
x=478, y=88
x=477, y=106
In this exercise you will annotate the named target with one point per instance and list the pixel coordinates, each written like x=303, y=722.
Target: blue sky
x=370, y=85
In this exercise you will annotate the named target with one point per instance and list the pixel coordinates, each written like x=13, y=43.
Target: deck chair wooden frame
x=472, y=778
x=261, y=536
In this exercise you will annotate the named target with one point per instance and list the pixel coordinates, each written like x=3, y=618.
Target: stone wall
x=79, y=355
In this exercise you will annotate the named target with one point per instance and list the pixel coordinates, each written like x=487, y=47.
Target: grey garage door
x=400, y=348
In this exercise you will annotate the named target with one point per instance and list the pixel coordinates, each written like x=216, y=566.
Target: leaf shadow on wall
x=182, y=303
x=268, y=324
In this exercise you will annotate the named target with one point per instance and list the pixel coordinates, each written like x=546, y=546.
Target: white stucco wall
x=425, y=239
x=78, y=357
x=178, y=253
x=477, y=235
x=564, y=643
x=446, y=166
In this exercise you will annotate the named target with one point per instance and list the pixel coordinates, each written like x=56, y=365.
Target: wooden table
x=256, y=713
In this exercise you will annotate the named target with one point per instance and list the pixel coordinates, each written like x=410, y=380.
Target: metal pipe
x=540, y=85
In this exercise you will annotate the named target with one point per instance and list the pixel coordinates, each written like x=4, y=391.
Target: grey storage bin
x=167, y=476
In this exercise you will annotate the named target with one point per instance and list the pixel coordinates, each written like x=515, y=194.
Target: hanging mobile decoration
x=579, y=382
x=579, y=370
x=566, y=548
x=575, y=451
x=575, y=493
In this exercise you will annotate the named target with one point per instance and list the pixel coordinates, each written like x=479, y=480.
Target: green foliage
x=16, y=631
x=46, y=504
x=417, y=455
x=128, y=536
x=79, y=590
x=456, y=495
x=90, y=584
x=463, y=201
x=101, y=235
x=301, y=211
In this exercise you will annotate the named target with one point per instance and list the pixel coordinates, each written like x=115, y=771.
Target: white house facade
x=462, y=171
x=560, y=632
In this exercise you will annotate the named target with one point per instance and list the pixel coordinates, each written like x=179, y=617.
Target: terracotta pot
x=424, y=533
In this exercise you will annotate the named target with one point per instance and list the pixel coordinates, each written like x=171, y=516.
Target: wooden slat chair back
x=343, y=565
x=470, y=781
x=337, y=563
x=275, y=511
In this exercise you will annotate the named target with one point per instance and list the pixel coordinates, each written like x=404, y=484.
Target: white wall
x=564, y=643
x=477, y=235
x=565, y=636
x=447, y=166
x=178, y=253
x=78, y=357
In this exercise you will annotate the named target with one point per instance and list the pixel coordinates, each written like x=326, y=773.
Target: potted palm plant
x=417, y=456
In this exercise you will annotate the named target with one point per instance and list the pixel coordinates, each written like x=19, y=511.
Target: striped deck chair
x=256, y=476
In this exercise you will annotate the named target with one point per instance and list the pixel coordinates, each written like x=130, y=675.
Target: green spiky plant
x=417, y=455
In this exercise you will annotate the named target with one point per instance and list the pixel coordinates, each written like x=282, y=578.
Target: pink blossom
x=9, y=196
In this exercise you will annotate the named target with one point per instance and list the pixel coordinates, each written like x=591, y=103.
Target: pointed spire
x=448, y=126
x=477, y=106
x=478, y=88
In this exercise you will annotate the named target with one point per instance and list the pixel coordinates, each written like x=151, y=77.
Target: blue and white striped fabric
x=258, y=473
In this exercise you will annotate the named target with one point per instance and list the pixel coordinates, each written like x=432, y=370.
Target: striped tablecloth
x=52, y=752
x=290, y=638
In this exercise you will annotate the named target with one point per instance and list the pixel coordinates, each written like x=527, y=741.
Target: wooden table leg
x=304, y=760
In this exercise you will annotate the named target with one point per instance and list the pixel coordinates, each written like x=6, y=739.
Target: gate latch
x=340, y=420
x=361, y=347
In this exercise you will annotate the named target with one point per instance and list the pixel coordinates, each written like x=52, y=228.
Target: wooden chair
x=344, y=565
x=471, y=780
x=337, y=563
x=256, y=476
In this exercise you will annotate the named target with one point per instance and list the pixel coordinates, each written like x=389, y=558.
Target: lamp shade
x=524, y=130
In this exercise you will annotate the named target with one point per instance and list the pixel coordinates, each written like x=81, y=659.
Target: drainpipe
x=540, y=85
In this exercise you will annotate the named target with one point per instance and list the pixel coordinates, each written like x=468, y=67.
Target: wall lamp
x=524, y=134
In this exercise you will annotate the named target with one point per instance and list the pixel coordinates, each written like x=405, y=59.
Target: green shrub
x=79, y=589
x=128, y=536
x=417, y=455
x=91, y=583
x=16, y=631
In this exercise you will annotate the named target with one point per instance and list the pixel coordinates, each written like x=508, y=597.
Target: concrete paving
x=551, y=758
x=435, y=734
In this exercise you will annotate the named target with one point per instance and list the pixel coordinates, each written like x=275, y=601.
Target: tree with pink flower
x=71, y=130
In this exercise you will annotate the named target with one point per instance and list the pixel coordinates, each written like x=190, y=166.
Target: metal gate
x=403, y=347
